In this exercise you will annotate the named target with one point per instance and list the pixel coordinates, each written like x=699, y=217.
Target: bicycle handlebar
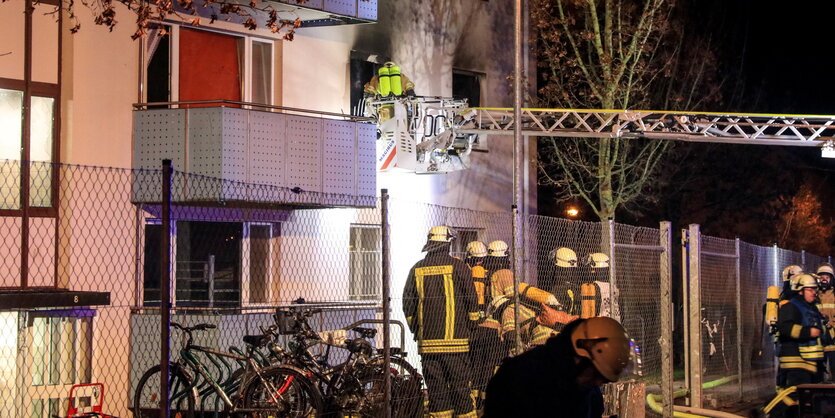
x=198, y=327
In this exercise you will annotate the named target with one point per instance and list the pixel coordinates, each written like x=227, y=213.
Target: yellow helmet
x=497, y=248
x=440, y=233
x=790, y=271
x=597, y=260
x=476, y=249
x=603, y=341
x=826, y=268
x=804, y=280
x=564, y=257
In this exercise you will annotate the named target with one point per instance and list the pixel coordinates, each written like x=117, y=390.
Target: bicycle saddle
x=257, y=340
x=365, y=332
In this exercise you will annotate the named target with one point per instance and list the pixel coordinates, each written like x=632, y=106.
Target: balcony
x=234, y=156
x=331, y=12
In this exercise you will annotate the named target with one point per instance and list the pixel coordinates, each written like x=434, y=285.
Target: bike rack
x=381, y=322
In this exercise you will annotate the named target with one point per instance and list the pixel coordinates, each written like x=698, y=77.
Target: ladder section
x=758, y=129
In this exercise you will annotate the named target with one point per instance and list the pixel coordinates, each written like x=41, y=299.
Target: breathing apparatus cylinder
x=384, y=81
x=396, y=82
x=588, y=304
x=772, y=306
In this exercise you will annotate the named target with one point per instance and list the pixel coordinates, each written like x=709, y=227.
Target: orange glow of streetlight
x=572, y=212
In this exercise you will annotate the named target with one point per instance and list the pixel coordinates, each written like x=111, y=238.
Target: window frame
x=354, y=273
x=174, y=63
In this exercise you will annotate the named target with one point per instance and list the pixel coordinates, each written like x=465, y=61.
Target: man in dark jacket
x=800, y=325
x=440, y=305
x=563, y=377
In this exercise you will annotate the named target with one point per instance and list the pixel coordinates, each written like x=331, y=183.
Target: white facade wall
x=100, y=81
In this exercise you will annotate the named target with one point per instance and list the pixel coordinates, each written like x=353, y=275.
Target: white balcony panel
x=367, y=10
x=339, y=158
x=268, y=149
x=256, y=156
x=342, y=7
x=366, y=157
x=304, y=153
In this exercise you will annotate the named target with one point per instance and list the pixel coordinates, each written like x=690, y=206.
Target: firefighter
x=565, y=282
x=485, y=345
x=389, y=82
x=563, y=377
x=800, y=326
x=534, y=326
x=827, y=308
x=439, y=302
x=598, y=296
x=788, y=273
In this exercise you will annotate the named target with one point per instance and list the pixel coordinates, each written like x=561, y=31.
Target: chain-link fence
x=730, y=354
x=84, y=269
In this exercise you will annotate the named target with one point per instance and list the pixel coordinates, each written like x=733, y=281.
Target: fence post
x=685, y=300
x=739, y=326
x=775, y=265
x=695, y=316
x=803, y=259
x=666, y=340
x=164, y=294
x=386, y=290
x=613, y=306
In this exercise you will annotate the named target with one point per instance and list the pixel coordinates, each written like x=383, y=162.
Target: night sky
x=776, y=57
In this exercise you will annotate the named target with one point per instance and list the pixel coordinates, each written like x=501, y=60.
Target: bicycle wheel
x=147, y=399
x=406, y=390
x=282, y=391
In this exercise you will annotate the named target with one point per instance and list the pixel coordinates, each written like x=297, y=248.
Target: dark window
x=464, y=236
x=159, y=64
x=361, y=72
x=467, y=85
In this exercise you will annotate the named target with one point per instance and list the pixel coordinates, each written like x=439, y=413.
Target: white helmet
x=497, y=248
x=790, y=271
x=441, y=233
x=597, y=260
x=476, y=249
x=565, y=257
x=804, y=280
x=826, y=268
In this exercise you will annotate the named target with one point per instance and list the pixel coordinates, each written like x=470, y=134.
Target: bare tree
x=250, y=14
x=614, y=54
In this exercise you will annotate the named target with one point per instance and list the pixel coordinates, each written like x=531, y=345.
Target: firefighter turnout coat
x=440, y=304
x=798, y=349
x=827, y=309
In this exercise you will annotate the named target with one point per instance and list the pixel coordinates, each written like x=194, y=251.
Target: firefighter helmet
x=476, y=249
x=565, y=257
x=825, y=268
x=804, y=280
x=603, y=341
x=790, y=271
x=598, y=260
x=441, y=233
x=497, y=248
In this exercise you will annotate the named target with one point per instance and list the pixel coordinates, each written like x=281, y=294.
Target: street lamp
x=572, y=211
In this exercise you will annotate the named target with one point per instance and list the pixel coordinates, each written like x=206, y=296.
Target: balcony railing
x=244, y=153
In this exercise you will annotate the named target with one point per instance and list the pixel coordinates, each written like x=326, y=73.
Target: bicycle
x=355, y=386
x=268, y=391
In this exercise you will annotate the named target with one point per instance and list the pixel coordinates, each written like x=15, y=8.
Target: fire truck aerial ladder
x=437, y=135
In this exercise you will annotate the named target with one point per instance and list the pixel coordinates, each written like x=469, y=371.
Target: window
x=365, y=259
x=59, y=356
x=186, y=64
x=467, y=85
x=33, y=135
x=459, y=244
x=218, y=264
x=362, y=70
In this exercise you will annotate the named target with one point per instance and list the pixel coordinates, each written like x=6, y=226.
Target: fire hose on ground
x=653, y=401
